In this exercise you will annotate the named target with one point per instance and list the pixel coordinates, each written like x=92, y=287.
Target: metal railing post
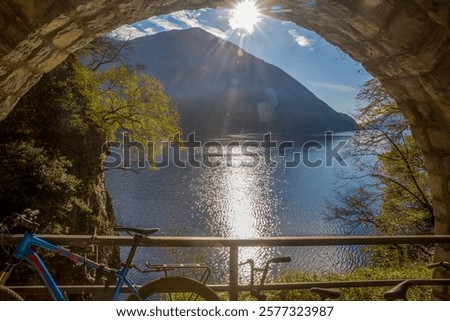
x=234, y=272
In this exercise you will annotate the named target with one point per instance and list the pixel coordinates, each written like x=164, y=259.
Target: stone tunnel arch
x=405, y=44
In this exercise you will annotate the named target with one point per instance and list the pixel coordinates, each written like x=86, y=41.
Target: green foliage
x=59, y=129
x=123, y=99
x=406, y=206
x=400, y=170
x=51, y=158
x=30, y=177
x=394, y=196
x=58, y=178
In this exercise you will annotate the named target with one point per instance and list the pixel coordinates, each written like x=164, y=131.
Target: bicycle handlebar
x=399, y=291
x=263, y=270
x=281, y=259
x=444, y=264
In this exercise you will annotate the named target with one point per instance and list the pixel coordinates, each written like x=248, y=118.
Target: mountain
x=221, y=89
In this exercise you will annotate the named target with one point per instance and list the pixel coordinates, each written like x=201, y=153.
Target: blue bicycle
x=164, y=288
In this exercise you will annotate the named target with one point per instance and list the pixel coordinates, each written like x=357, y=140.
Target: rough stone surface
x=406, y=44
x=439, y=139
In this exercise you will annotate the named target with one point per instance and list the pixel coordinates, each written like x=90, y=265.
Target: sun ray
x=245, y=16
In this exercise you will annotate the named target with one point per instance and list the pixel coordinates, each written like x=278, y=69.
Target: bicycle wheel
x=6, y=294
x=175, y=289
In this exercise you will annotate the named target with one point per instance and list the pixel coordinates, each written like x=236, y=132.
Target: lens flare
x=245, y=16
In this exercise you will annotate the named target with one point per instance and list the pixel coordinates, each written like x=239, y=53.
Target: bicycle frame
x=25, y=253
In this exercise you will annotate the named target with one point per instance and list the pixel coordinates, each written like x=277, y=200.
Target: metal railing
x=233, y=246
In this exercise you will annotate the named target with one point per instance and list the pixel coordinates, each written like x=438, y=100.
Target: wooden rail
x=234, y=244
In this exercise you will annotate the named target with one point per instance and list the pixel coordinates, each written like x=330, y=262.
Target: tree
x=390, y=195
x=66, y=118
x=123, y=99
x=105, y=51
x=31, y=178
x=406, y=203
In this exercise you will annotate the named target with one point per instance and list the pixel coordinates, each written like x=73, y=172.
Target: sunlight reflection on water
x=235, y=201
x=239, y=201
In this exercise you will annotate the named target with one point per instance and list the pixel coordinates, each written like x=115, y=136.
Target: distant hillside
x=221, y=89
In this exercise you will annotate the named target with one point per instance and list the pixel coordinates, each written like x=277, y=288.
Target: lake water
x=242, y=198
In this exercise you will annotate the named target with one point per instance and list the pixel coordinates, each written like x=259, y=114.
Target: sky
x=321, y=67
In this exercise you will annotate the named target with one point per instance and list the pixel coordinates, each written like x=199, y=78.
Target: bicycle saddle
x=398, y=292
x=141, y=231
x=326, y=293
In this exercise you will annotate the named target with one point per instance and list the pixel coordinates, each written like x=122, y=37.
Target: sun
x=245, y=16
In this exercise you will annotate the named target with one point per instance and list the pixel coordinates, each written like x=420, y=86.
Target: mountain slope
x=221, y=89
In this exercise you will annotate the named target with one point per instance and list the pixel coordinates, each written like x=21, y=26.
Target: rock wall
x=403, y=43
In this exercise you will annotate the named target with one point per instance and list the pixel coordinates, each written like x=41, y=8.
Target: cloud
x=299, y=39
x=174, y=21
x=335, y=87
x=150, y=31
x=189, y=19
x=127, y=32
x=164, y=24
